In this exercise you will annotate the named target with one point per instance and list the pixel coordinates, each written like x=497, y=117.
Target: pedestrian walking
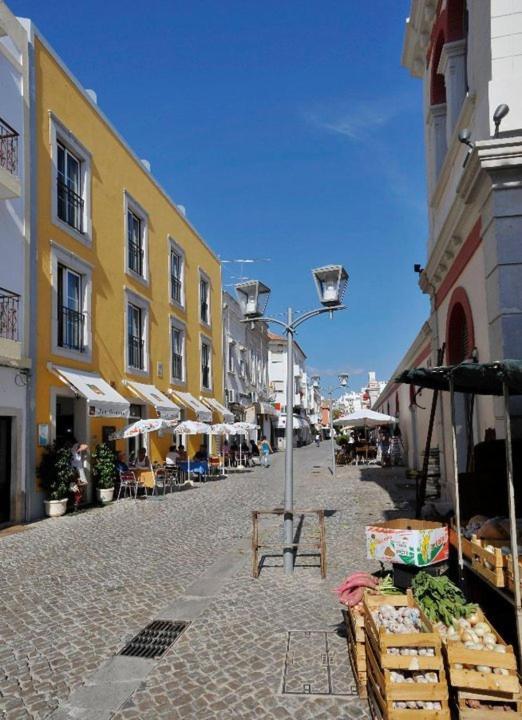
x=79, y=484
x=264, y=449
x=317, y=439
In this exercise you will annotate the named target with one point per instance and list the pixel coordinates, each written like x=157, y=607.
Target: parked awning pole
x=513, y=520
x=456, y=474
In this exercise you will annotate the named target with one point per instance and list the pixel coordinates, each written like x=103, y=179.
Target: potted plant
x=104, y=472
x=56, y=474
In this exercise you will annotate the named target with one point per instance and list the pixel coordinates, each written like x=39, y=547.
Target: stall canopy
x=264, y=408
x=102, y=399
x=162, y=404
x=298, y=423
x=219, y=408
x=366, y=418
x=469, y=377
x=203, y=413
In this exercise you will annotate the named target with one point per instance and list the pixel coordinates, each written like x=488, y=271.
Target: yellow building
x=128, y=295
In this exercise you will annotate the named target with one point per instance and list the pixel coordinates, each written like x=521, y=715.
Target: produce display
x=440, y=599
x=398, y=619
x=351, y=591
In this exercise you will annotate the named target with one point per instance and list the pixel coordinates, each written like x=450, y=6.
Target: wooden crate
x=382, y=641
x=474, y=680
x=510, y=582
x=383, y=693
x=355, y=637
x=490, y=564
x=499, y=700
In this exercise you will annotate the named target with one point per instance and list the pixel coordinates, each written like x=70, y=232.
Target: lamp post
x=343, y=382
x=331, y=282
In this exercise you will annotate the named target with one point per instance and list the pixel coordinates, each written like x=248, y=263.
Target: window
x=231, y=357
x=71, y=286
x=135, y=240
x=69, y=188
x=178, y=353
x=176, y=275
x=135, y=342
x=204, y=299
x=205, y=365
x=242, y=364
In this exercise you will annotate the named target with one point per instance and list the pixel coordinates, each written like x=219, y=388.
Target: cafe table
x=145, y=476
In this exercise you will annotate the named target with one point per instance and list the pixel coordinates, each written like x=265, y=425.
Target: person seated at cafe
x=121, y=465
x=254, y=450
x=182, y=453
x=142, y=461
x=202, y=453
x=172, y=456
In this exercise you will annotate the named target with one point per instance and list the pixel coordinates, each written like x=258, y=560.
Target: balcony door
x=70, y=316
x=5, y=468
x=70, y=203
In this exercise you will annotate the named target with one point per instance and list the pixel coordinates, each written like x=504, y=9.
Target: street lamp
x=331, y=282
x=343, y=382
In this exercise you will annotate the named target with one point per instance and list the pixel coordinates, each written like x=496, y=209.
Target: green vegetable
x=441, y=600
x=386, y=586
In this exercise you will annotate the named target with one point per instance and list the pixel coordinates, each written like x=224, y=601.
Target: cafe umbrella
x=141, y=427
x=192, y=427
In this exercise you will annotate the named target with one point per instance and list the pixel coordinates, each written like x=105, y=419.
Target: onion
x=501, y=671
x=474, y=619
x=483, y=668
x=466, y=636
x=500, y=648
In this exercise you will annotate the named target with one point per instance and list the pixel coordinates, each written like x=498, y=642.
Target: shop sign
x=407, y=542
x=108, y=410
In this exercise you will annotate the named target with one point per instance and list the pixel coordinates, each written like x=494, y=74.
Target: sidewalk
x=74, y=590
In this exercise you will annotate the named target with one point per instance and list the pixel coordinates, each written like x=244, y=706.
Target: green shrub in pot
x=55, y=472
x=104, y=467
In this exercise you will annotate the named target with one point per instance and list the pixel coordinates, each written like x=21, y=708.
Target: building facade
x=468, y=57
x=245, y=365
x=15, y=240
x=128, y=296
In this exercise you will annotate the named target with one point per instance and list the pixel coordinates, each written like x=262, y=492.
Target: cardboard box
x=408, y=542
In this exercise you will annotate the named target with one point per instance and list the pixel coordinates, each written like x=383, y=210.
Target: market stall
x=504, y=379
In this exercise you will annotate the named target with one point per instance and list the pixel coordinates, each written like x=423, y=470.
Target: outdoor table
x=144, y=475
x=199, y=467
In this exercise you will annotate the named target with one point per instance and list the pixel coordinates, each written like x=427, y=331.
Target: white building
x=15, y=222
x=468, y=56
x=245, y=365
x=277, y=374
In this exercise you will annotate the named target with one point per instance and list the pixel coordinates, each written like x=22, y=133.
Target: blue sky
x=288, y=131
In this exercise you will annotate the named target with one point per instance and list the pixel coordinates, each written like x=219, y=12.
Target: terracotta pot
x=55, y=508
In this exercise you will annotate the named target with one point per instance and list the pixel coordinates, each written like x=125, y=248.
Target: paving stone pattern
x=74, y=590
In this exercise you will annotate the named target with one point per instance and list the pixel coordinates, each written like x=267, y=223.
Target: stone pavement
x=74, y=590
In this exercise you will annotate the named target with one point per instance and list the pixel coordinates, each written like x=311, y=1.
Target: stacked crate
x=356, y=638
x=387, y=698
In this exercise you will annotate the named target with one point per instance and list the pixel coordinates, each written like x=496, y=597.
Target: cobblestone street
x=75, y=589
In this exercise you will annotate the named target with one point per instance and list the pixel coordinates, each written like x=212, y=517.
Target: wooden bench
x=319, y=546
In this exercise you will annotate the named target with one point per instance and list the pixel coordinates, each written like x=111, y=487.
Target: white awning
x=102, y=399
x=297, y=424
x=202, y=411
x=165, y=408
x=267, y=409
x=218, y=407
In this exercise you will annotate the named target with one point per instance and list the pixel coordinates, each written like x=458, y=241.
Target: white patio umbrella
x=222, y=429
x=368, y=418
x=141, y=427
x=192, y=427
x=242, y=428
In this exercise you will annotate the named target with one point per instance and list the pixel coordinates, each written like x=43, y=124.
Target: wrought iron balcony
x=135, y=352
x=70, y=206
x=70, y=329
x=177, y=367
x=9, y=314
x=135, y=257
x=8, y=148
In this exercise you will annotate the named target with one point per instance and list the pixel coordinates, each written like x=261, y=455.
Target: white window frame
x=59, y=134
x=133, y=206
x=143, y=304
x=175, y=323
x=231, y=356
x=204, y=339
x=174, y=247
x=62, y=256
x=203, y=276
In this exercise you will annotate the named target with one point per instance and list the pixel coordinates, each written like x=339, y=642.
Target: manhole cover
x=154, y=640
x=315, y=664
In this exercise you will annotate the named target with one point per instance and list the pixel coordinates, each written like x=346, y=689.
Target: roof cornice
x=417, y=36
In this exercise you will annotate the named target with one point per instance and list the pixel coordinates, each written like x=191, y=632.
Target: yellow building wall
x=113, y=171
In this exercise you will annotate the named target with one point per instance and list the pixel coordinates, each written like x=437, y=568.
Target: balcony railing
x=70, y=206
x=8, y=148
x=70, y=329
x=135, y=347
x=135, y=257
x=9, y=307
x=175, y=285
x=177, y=367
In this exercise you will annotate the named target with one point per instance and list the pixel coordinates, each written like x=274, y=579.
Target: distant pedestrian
x=79, y=484
x=265, y=450
x=317, y=439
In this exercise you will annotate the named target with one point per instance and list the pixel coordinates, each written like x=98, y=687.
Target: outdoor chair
x=128, y=483
x=161, y=480
x=173, y=476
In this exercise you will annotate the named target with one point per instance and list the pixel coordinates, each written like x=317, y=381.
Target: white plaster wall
x=506, y=61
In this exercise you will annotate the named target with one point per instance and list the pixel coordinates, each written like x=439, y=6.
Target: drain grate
x=154, y=640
